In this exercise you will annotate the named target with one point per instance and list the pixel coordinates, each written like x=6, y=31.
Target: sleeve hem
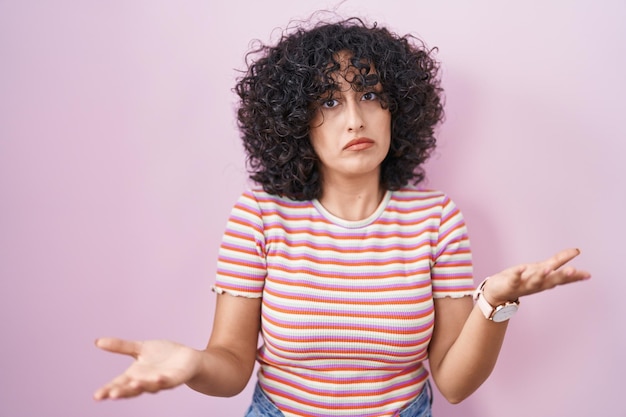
x=454, y=295
x=219, y=290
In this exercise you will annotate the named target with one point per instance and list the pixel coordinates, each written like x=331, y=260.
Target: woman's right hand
x=158, y=365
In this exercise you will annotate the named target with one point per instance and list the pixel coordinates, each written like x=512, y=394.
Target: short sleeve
x=451, y=272
x=241, y=264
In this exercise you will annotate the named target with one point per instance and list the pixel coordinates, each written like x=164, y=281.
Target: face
x=351, y=131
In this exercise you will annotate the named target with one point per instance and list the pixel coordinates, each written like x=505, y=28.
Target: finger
x=566, y=276
x=106, y=391
x=101, y=394
x=154, y=383
x=561, y=258
x=115, y=345
x=131, y=388
x=121, y=387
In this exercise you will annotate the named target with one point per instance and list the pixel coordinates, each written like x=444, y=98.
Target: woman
x=353, y=275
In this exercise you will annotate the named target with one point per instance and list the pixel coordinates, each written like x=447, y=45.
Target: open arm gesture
x=222, y=369
x=465, y=346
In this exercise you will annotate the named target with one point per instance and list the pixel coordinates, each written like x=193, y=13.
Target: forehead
x=347, y=62
x=346, y=69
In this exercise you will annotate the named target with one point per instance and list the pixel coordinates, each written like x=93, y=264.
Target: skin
x=464, y=346
x=222, y=369
x=351, y=135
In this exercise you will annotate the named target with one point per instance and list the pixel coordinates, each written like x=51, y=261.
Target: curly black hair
x=284, y=83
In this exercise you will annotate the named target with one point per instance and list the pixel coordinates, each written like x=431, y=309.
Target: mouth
x=359, y=144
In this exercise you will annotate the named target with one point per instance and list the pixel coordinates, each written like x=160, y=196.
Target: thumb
x=116, y=345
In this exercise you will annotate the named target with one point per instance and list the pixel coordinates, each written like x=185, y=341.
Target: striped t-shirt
x=347, y=309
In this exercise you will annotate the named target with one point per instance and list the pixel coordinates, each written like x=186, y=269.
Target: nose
x=354, y=116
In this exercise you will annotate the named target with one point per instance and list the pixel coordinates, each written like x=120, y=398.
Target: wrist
x=486, y=293
x=494, y=310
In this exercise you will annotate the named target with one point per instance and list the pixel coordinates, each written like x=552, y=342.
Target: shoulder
x=414, y=193
x=411, y=197
x=264, y=198
x=419, y=203
x=263, y=203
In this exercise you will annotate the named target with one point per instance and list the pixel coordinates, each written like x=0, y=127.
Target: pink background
x=119, y=162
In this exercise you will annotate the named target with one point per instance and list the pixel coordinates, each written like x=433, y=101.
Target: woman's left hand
x=531, y=278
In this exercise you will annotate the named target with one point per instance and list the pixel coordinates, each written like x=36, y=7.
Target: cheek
x=321, y=138
x=316, y=132
x=380, y=117
x=317, y=142
x=316, y=120
x=385, y=123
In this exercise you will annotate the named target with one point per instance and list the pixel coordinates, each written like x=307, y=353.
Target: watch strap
x=490, y=311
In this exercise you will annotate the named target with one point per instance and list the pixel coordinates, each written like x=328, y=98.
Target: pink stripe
x=346, y=381
x=369, y=274
x=335, y=405
x=343, y=248
x=383, y=286
x=337, y=301
x=396, y=328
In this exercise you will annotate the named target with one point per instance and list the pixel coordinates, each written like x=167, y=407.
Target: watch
x=501, y=312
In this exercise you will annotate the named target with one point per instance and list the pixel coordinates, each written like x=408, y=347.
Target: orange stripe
x=338, y=326
x=414, y=286
x=318, y=261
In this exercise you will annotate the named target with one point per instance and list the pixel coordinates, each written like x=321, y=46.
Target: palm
x=531, y=278
x=159, y=364
x=165, y=358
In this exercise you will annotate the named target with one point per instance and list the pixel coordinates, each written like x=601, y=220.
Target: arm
x=231, y=353
x=465, y=345
x=222, y=369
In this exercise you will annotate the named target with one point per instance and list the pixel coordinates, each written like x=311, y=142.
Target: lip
x=359, y=144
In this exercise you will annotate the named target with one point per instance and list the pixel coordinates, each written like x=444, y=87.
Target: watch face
x=504, y=312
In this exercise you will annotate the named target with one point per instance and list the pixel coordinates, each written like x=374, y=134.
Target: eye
x=329, y=103
x=369, y=96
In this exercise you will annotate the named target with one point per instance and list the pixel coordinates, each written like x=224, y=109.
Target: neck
x=354, y=200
